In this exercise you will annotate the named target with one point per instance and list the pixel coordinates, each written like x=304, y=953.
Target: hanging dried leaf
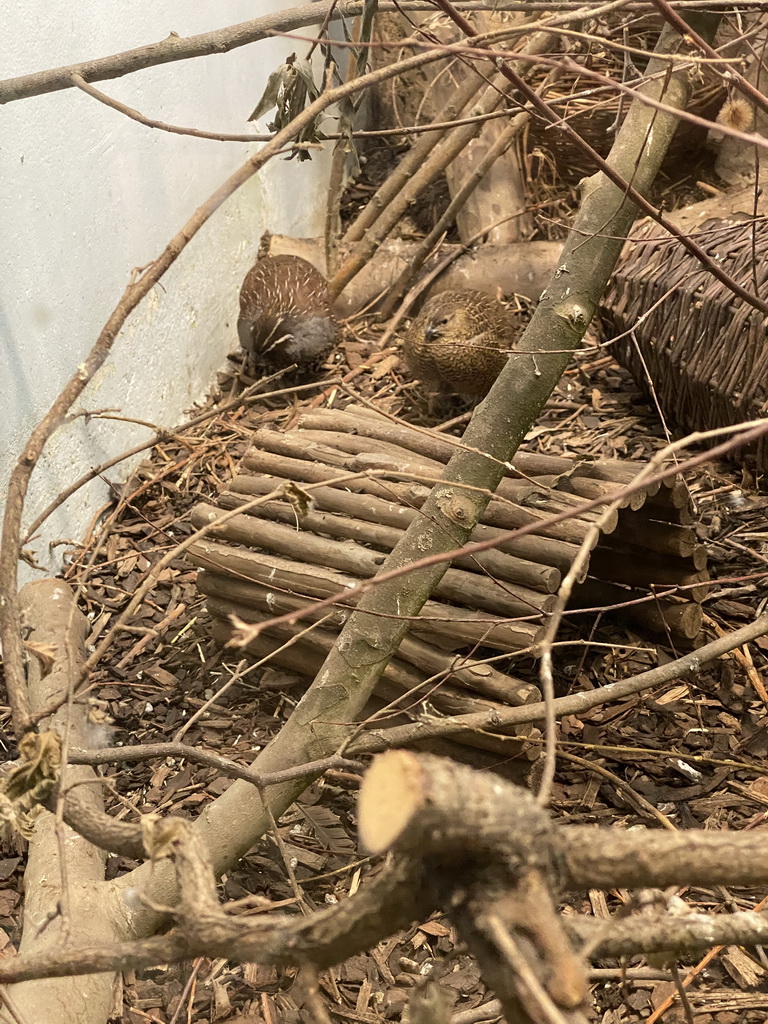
x=28, y=784
x=33, y=778
x=289, y=89
x=275, y=83
x=299, y=498
x=303, y=69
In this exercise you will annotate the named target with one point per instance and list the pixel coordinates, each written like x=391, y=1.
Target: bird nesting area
x=370, y=476
x=678, y=326
x=597, y=119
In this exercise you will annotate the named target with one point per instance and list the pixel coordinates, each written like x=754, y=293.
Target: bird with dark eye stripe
x=460, y=341
x=285, y=314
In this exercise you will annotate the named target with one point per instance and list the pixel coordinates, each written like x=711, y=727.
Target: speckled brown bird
x=285, y=313
x=458, y=340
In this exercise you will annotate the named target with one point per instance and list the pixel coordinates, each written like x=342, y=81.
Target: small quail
x=460, y=340
x=285, y=313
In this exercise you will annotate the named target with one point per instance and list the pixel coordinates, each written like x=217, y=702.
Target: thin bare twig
x=199, y=133
x=148, y=751
x=574, y=704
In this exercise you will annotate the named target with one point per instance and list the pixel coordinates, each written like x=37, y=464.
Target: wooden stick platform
x=281, y=556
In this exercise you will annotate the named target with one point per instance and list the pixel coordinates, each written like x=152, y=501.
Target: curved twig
x=574, y=704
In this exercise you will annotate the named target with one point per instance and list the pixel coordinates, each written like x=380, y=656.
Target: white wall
x=88, y=194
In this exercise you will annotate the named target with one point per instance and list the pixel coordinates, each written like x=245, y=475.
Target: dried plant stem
x=571, y=578
x=149, y=122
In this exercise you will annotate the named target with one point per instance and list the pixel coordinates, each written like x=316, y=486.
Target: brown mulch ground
x=689, y=757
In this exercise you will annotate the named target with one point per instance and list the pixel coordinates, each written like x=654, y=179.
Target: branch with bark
x=469, y=844
x=175, y=47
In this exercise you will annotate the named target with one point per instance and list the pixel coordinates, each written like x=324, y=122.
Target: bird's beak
x=430, y=333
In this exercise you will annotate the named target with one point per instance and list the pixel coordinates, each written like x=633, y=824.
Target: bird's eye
x=444, y=320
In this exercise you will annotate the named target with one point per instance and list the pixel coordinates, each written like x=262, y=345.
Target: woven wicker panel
x=704, y=349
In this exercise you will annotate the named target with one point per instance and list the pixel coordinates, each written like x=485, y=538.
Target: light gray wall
x=88, y=194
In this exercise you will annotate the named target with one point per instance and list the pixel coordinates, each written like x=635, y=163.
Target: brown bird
x=285, y=313
x=458, y=340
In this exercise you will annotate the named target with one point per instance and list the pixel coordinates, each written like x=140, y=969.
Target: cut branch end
x=392, y=793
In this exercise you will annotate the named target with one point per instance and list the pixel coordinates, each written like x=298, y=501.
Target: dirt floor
x=690, y=756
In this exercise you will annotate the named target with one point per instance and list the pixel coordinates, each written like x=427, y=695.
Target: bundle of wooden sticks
x=374, y=475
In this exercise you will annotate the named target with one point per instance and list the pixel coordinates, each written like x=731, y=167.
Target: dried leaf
x=275, y=83
x=40, y=763
x=288, y=90
x=28, y=555
x=304, y=70
x=300, y=499
x=328, y=828
x=160, y=834
x=45, y=655
x=242, y=632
